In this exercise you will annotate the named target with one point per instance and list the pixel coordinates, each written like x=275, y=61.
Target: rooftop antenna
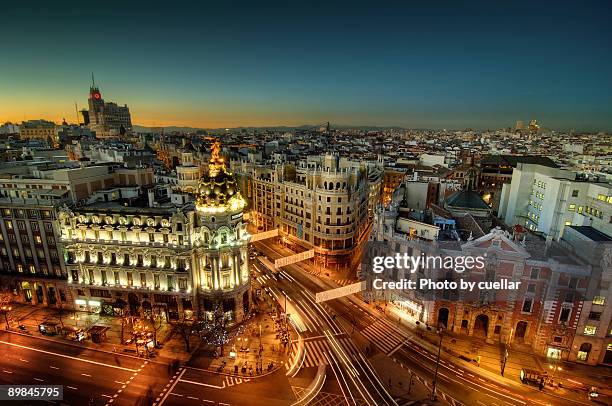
x=93, y=82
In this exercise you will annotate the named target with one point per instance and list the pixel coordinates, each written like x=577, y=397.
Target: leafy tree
x=185, y=328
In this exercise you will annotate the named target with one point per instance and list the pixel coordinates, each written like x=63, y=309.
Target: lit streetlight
x=5, y=311
x=435, y=378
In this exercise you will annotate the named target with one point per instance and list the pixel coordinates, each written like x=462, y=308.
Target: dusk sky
x=449, y=65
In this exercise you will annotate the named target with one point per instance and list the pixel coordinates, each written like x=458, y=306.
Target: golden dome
x=218, y=190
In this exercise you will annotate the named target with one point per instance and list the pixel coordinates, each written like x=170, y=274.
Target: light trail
x=329, y=361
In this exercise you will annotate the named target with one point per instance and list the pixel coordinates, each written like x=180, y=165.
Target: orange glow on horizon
x=160, y=121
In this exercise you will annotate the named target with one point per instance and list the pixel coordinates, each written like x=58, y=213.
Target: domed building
x=146, y=256
x=219, y=242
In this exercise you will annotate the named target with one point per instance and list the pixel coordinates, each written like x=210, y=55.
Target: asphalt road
x=85, y=374
x=195, y=387
x=331, y=343
x=465, y=386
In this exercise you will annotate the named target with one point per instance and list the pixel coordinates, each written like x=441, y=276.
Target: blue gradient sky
x=452, y=65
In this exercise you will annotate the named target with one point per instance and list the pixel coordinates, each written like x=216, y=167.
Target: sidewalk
x=260, y=349
x=468, y=349
x=30, y=316
x=247, y=353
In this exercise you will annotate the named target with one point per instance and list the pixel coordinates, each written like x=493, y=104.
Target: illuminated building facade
x=31, y=263
x=560, y=309
x=144, y=255
x=220, y=243
x=322, y=204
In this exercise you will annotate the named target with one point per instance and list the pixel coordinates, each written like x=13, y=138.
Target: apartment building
x=323, y=203
x=38, y=130
x=31, y=260
x=546, y=200
x=560, y=309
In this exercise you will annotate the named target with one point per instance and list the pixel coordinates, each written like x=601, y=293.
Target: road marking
x=87, y=375
x=171, y=388
x=107, y=396
x=8, y=372
x=71, y=387
x=23, y=360
x=52, y=367
x=191, y=397
x=38, y=379
x=67, y=356
x=120, y=383
x=204, y=384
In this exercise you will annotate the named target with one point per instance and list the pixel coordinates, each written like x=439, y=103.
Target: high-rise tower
x=106, y=118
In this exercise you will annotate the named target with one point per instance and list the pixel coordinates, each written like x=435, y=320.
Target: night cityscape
x=306, y=204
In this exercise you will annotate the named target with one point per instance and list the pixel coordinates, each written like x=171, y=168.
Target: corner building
x=177, y=259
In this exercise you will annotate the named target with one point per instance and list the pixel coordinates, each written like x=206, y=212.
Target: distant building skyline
x=473, y=65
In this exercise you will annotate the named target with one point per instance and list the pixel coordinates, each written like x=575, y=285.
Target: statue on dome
x=216, y=163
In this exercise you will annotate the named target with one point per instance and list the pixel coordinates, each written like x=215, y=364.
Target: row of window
x=170, y=280
x=31, y=269
x=604, y=198
x=536, y=205
x=21, y=225
x=108, y=235
x=539, y=183
x=40, y=253
x=593, y=212
x=533, y=216
x=152, y=261
x=26, y=240
x=23, y=213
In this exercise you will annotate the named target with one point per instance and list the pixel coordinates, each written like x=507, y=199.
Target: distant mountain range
x=143, y=129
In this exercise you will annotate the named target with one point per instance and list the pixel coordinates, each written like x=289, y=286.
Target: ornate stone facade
x=192, y=258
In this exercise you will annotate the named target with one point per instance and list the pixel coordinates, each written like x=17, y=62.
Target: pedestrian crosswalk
x=345, y=282
x=234, y=380
x=315, y=350
x=383, y=336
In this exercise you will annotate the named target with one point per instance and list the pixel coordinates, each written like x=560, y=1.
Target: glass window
x=565, y=313
x=527, y=305
x=594, y=315
x=599, y=300
x=590, y=330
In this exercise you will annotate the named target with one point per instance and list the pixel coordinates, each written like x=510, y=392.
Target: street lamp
x=5, y=311
x=435, y=378
x=554, y=368
x=503, y=367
